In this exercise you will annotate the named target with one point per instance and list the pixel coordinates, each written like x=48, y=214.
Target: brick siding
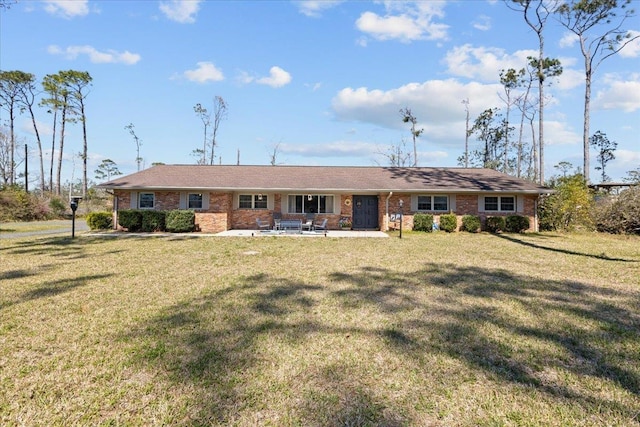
x=221, y=215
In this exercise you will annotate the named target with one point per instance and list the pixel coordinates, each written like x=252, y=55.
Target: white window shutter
x=183, y=200
x=414, y=203
x=519, y=203
x=134, y=200
x=480, y=203
x=205, y=201
x=452, y=203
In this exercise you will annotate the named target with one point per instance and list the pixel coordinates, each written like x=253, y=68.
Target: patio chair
x=263, y=225
x=321, y=226
x=308, y=224
x=277, y=216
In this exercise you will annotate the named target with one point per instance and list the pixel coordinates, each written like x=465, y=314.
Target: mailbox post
x=74, y=206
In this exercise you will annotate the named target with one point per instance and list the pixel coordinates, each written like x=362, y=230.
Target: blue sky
x=323, y=80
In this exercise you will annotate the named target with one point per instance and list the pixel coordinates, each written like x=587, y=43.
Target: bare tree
x=27, y=100
x=274, y=151
x=77, y=83
x=466, y=133
x=219, y=114
x=199, y=155
x=589, y=20
x=536, y=14
x=408, y=117
x=138, y=142
x=59, y=100
x=10, y=88
x=54, y=103
x=204, y=115
x=397, y=155
x=510, y=80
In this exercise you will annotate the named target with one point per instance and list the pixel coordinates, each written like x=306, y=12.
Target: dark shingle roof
x=322, y=178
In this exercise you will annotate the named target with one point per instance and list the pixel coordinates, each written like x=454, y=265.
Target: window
x=146, y=200
x=507, y=204
x=491, y=203
x=500, y=203
x=260, y=201
x=194, y=201
x=253, y=201
x=433, y=203
x=310, y=203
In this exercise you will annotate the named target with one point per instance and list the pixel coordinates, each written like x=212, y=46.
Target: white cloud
x=329, y=149
x=568, y=39
x=182, y=11
x=632, y=49
x=569, y=79
x=405, y=21
x=382, y=108
x=626, y=159
x=205, y=72
x=109, y=56
x=67, y=8
x=314, y=8
x=277, y=78
x=482, y=62
x=623, y=95
x=557, y=133
x=482, y=23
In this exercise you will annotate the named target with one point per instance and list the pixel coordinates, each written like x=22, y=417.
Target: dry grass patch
x=435, y=329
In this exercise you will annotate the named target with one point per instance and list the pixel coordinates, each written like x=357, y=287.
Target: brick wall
x=465, y=205
x=221, y=216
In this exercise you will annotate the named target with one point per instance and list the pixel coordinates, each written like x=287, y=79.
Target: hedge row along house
x=365, y=198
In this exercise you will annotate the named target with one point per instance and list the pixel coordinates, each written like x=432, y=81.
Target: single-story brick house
x=228, y=197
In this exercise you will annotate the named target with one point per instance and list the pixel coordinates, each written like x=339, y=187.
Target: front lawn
x=431, y=329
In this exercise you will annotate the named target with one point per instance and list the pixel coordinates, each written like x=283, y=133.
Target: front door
x=365, y=212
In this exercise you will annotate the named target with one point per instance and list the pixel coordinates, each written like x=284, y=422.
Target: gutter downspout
x=386, y=208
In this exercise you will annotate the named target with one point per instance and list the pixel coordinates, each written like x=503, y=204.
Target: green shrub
x=130, y=219
x=516, y=223
x=495, y=224
x=448, y=222
x=569, y=207
x=99, y=220
x=471, y=223
x=423, y=222
x=180, y=221
x=58, y=207
x=153, y=221
x=18, y=205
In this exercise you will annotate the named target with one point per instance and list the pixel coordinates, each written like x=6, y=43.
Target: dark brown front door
x=365, y=212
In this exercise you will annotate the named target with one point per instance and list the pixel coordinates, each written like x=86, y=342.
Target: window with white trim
x=146, y=200
x=433, y=203
x=252, y=201
x=310, y=203
x=500, y=203
x=194, y=201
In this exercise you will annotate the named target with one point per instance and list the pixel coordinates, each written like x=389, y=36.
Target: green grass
x=30, y=226
x=432, y=329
